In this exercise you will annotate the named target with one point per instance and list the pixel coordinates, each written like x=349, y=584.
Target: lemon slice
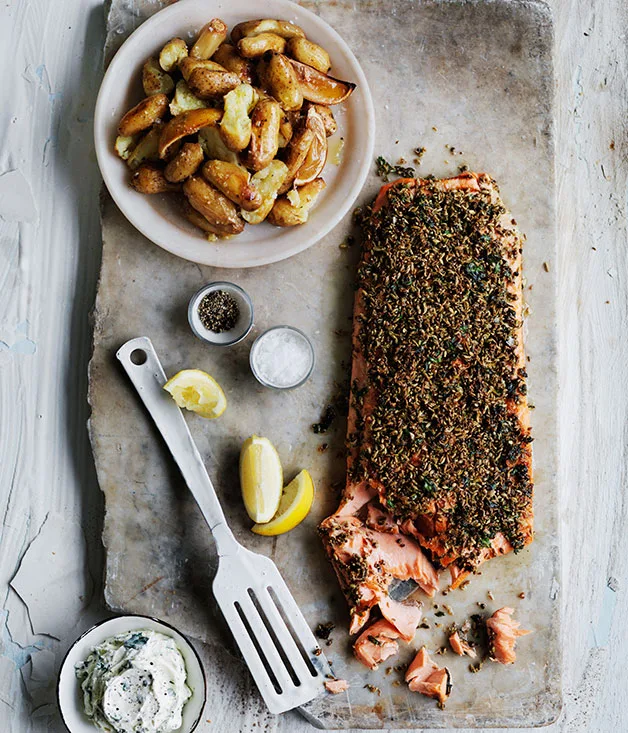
x=195, y=390
x=294, y=506
x=261, y=478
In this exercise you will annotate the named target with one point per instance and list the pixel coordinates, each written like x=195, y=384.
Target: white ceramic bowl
x=68, y=689
x=157, y=216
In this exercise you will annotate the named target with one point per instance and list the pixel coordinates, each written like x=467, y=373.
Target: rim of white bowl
x=117, y=618
x=304, y=242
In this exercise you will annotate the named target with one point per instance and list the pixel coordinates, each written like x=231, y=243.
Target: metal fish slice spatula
x=273, y=637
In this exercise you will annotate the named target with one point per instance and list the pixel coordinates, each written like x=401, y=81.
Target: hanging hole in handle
x=138, y=357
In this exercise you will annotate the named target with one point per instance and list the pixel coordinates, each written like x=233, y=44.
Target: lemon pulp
x=261, y=478
x=195, y=390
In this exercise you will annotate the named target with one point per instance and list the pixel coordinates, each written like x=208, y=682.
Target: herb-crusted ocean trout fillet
x=438, y=429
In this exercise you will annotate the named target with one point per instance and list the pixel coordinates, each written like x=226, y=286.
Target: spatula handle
x=141, y=363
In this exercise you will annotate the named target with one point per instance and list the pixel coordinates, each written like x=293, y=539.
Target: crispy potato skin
x=221, y=214
x=329, y=121
x=316, y=156
x=265, y=25
x=284, y=214
x=228, y=56
x=143, y=115
x=209, y=39
x=265, y=126
x=210, y=84
x=185, y=163
x=279, y=77
x=252, y=47
x=234, y=182
x=309, y=53
x=146, y=148
x=154, y=78
x=150, y=179
x=172, y=53
x=186, y=124
x=318, y=87
x=297, y=151
x=193, y=216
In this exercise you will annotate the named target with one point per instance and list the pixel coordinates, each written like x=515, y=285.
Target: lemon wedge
x=195, y=390
x=261, y=478
x=294, y=506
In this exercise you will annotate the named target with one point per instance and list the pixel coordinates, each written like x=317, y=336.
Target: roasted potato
x=308, y=53
x=186, y=124
x=282, y=28
x=214, y=146
x=328, y=119
x=207, y=79
x=228, y=56
x=220, y=213
x=147, y=148
x=235, y=126
x=297, y=151
x=185, y=163
x=285, y=130
x=318, y=87
x=124, y=145
x=148, y=178
x=154, y=79
x=267, y=182
x=285, y=213
x=265, y=125
x=234, y=181
x=252, y=47
x=193, y=216
x=279, y=77
x=143, y=115
x=172, y=53
x=317, y=153
x=211, y=36
x=184, y=100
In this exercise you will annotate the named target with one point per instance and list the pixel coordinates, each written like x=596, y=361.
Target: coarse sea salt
x=282, y=357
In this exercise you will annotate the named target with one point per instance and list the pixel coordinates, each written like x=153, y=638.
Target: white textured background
x=49, y=260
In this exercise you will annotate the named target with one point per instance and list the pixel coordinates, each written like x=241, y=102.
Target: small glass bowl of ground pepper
x=221, y=313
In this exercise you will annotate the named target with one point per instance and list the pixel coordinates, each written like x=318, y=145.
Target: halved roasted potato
x=235, y=126
x=285, y=130
x=279, y=77
x=214, y=146
x=185, y=163
x=185, y=124
x=267, y=182
x=172, y=53
x=148, y=178
x=309, y=53
x=194, y=217
x=220, y=213
x=282, y=28
x=184, y=99
x=285, y=213
x=228, y=56
x=143, y=115
x=297, y=151
x=318, y=87
x=316, y=156
x=147, y=148
x=252, y=47
x=265, y=125
x=234, y=181
x=211, y=36
x=154, y=78
x=124, y=145
x=328, y=118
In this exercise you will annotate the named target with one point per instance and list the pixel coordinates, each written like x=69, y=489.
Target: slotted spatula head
x=270, y=630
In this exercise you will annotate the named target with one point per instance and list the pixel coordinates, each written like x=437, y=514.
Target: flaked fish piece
x=425, y=676
x=376, y=643
x=461, y=646
x=336, y=686
x=503, y=631
x=366, y=562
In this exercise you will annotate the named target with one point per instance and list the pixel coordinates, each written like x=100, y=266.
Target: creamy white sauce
x=135, y=683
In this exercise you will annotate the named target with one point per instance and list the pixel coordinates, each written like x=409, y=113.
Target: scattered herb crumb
x=522, y=595
x=326, y=420
x=463, y=168
x=372, y=688
x=323, y=447
x=323, y=631
x=490, y=595
x=386, y=169
x=317, y=652
x=546, y=267
x=439, y=614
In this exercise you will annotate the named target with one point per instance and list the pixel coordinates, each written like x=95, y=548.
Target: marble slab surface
x=472, y=76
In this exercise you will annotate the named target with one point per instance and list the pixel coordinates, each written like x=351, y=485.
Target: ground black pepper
x=218, y=311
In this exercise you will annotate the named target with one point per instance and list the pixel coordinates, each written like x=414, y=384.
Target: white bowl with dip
x=282, y=358
x=69, y=693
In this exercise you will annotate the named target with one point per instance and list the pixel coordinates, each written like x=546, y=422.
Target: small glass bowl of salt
x=282, y=358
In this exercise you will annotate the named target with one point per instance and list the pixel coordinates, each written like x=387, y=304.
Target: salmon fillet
x=376, y=643
x=425, y=676
x=503, y=631
x=438, y=437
